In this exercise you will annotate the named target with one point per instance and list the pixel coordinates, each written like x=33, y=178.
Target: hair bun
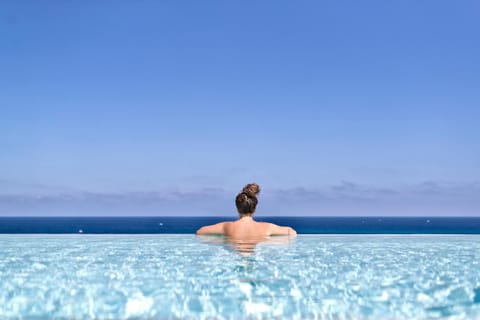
x=251, y=189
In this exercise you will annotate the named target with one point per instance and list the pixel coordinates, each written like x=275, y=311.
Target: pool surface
x=190, y=277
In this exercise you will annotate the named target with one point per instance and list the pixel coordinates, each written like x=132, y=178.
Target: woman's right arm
x=278, y=230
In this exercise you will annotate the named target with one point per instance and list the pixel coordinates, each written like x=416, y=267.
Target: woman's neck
x=245, y=217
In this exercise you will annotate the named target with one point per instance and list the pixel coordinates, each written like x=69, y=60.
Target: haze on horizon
x=168, y=108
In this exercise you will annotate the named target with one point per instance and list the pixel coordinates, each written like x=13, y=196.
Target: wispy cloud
x=344, y=198
x=348, y=189
x=349, y=198
x=203, y=201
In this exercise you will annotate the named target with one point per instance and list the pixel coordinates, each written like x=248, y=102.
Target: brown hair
x=246, y=201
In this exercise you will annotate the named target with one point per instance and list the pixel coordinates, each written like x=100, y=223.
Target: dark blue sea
x=310, y=225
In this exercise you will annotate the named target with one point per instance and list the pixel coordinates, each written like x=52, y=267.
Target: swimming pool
x=188, y=277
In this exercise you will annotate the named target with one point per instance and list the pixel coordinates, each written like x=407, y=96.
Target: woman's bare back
x=246, y=228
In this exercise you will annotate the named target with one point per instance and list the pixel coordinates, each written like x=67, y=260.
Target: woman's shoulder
x=265, y=225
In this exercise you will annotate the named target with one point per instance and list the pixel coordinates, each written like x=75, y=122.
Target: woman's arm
x=278, y=230
x=218, y=228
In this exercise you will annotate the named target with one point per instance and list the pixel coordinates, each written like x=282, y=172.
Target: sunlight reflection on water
x=184, y=276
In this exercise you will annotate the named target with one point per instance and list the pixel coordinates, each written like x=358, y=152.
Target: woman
x=245, y=227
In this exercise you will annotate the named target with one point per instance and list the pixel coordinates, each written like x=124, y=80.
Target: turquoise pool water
x=188, y=277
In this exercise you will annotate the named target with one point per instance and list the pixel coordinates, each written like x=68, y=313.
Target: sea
x=186, y=225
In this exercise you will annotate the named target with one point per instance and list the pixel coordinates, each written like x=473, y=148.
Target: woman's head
x=246, y=201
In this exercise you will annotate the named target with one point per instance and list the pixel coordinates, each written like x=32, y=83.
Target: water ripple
x=183, y=276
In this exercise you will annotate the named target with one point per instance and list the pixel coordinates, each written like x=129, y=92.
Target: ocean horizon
x=189, y=224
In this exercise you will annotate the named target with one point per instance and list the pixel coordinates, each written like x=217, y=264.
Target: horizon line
x=209, y=216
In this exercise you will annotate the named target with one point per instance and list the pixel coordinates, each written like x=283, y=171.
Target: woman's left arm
x=218, y=228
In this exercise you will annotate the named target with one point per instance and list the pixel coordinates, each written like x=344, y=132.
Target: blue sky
x=169, y=108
